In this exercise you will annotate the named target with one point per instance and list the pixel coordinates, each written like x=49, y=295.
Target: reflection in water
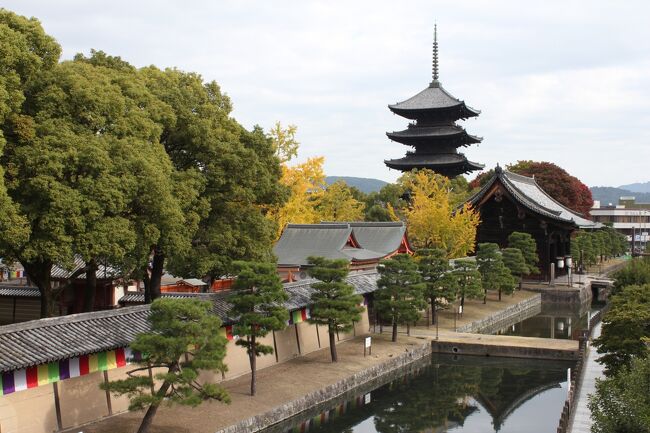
x=459, y=394
x=560, y=321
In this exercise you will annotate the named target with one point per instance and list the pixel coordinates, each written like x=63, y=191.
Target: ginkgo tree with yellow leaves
x=338, y=204
x=310, y=200
x=432, y=220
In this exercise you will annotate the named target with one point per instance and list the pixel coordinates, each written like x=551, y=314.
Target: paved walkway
x=581, y=421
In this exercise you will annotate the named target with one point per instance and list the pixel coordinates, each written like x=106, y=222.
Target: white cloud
x=561, y=81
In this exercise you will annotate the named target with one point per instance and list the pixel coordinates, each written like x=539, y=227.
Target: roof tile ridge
x=377, y=224
x=523, y=178
x=72, y=318
x=571, y=211
x=319, y=226
x=544, y=208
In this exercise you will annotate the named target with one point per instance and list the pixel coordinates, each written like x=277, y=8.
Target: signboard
x=367, y=346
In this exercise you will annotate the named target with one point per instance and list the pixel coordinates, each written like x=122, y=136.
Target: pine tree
x=439, y=286
x=528, y=247
x=399, y=297
x=468, y=280
x=494, y=274
x=257, y=297
x=184, y=339
x=334, y=302
x=514, y=260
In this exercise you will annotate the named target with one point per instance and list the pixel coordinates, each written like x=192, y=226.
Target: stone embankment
x=510, y=315
x=282, y=416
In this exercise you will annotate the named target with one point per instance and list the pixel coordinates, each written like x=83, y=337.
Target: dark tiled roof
x=529, y=194
x=383, y=237
x=19, y=291
x=434, y=161
x=432, y=98
x=415, y=133
x=48, y=340
x=300, y=241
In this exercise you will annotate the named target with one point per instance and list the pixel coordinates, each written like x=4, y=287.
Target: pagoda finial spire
x=435, y=52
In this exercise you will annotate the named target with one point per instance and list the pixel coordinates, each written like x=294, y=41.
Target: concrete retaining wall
x=511, y=315
x=367, y=379
x=478, y=349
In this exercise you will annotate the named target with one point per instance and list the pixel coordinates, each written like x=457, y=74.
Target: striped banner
x=226, y=331
x=299, y=316
x=39, y=375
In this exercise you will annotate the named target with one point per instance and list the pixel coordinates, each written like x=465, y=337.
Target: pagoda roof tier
x=434, y=101
x=448, y=164
x=416, y=135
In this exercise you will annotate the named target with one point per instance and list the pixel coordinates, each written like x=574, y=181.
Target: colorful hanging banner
x=227, y=331
x=39, y=375
x=299, y=316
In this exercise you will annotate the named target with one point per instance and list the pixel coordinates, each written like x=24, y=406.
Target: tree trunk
x=90, y=289
x=394, y=337
x=39, y=273
x=462, y=301
x=485, y=296
x=151, y=411
x=335, y=357
x=156, y=273
x=253, y=360
x=148, y=418
x=146, y=280
x=433, y=311
x=499, y=294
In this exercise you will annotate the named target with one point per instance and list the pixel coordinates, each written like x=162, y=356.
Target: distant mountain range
x=608, y=194
x=637, y=187
x=364, y=184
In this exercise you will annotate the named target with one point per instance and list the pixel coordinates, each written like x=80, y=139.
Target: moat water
x=556, y=320
x=451, y=393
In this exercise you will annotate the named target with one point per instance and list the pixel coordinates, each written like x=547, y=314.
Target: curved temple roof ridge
x=529, y=194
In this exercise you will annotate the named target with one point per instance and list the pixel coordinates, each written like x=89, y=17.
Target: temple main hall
x=433, y=132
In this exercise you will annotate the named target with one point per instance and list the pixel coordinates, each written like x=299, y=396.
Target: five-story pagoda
x=434, y=135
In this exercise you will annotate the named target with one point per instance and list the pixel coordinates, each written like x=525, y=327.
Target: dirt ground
x=474, y=310
x=286, y=381
x=276, y=384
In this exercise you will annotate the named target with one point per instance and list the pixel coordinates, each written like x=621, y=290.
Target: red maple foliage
x=566, y=189
x=557, y=183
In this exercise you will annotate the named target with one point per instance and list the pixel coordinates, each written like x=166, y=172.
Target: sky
x=560, y=81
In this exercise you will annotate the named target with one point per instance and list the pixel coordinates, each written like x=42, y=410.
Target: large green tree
x=334, y=302
x=635, y=272
x=236, y=170
x=621, y=404
x=399, y=297
x=257, y=302
x=184, y=339
x=625, y=329
x=71, y=150
x=439, y=285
